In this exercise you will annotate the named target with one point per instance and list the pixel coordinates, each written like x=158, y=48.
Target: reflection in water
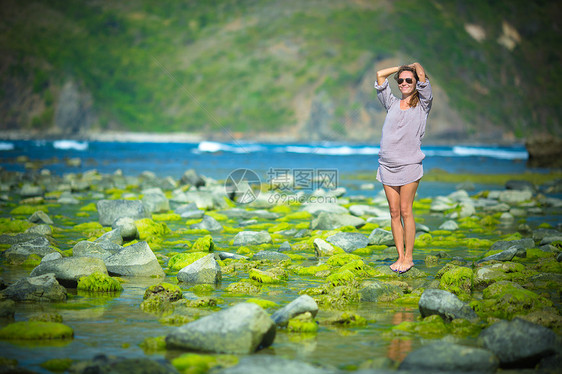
x=399, y=347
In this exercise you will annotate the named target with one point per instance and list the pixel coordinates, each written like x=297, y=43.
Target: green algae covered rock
x=505, y=299
x=149, y=229
x=204, y=244
x=303, y=323
x=346, y=319
x=153, y=344
x=36, y=330
x=431, y=327
x=57, y=365
x=99, y=282
x=194, y=363
x=316, y=270
x=243, y=288
x=181, y=260
x=342, y=259
x=164, y=290
x=457, y=280
x=8, y=225
x=273, y=276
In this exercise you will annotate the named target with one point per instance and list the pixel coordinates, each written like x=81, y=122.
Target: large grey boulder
x=372, y=291
x=113, y=236
x=381, y=237
x=38, y=246
x=204, y=270
x=445, y=304
x=68, y=270
x=208, y=223
x=449, y=357
x=134, y=260
x=86, y=248
x=44, y=288
x=300, y=305
x=252, y=238
x=126, y=227
x=241, y=329
x=348, y=241
x=518, y=343
x=332, y=221
x=111, y=210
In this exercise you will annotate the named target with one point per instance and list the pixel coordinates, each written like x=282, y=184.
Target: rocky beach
x=142, y=273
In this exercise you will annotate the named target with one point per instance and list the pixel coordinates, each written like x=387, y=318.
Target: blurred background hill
x=276, y=70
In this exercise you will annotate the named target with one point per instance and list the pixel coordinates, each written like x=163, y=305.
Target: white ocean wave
x=504, y=154
x=5, y=146
x=70, y=144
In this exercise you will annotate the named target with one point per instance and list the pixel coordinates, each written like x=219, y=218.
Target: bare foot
x=394, y=267
x=405, y=266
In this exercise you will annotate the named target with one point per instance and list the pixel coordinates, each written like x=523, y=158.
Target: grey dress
x=400, y=155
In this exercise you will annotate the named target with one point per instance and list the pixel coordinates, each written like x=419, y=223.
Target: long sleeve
x=384, y=94
x=426, y=95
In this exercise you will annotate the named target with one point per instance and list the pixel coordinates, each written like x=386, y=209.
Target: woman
x=400, y=157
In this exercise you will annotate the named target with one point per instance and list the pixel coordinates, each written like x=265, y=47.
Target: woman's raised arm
x=384, y=73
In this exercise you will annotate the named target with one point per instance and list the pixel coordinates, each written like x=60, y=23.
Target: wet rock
x=87, y=248
x=332, y=221
x=374, y=290
x=51, y=257
x=422, y=228
x=113, y=236
x=444, y=304
x=252, y=238
x=442, y=204
x=506, y=255
x=19, y=238
x=39, y=246
x=551, y=239
x=205, y=200
x=521, y=245
x=126, y=227
x=270, y=256
x=232, y=256
x=502, y=207
x=43, y=230
x=134, y=260
x=192, y=178
x=208, y=223
x=40, y=217
x=263, y=214
x=7, y=309
x=300, y=305
x=155, y=201
x=515, y=196
x=256, y=364
x=381, y=237
x=453, y=358
x=348, y=241
x=111, y=210
x=449, y=225
x=241, y=329
x=204, y=270
x=540, y=234
x=323, y=248
x=69, y=269
x=44, y=288
x=68, y=198
x=189, y=211
x=111, y=364
x=285, y=247
x=518, y=343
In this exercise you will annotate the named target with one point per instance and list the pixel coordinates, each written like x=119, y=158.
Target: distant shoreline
x=186, y=137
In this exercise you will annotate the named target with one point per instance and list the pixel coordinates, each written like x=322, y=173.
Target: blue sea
x=218, y=159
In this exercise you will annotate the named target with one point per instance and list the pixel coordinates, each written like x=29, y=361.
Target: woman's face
x=405, y=87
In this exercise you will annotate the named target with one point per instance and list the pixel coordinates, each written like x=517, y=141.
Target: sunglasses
x=408, y=80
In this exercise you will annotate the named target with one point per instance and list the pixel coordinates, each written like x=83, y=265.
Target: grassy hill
x=298, y=69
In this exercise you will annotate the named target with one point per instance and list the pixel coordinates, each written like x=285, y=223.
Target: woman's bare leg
x=400, y=202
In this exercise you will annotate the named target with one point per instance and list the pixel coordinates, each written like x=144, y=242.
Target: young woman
x=400, y=157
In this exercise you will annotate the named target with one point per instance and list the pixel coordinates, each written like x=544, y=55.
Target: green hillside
x=303, y=69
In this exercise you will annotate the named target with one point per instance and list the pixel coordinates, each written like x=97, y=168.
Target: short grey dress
x=400, y=155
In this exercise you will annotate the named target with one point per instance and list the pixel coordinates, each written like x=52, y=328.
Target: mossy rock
x=346, y=319
x=457, y=280
x=431, y=327
x=297, y=216
x=548, y=265
x=99, y=282
x=407, y=300
x=358, y=268
x=243, y=288
x=149, y=229
x=265, y=304
x=89, y=208
x=445, y=269
x=176, y=320
x=164, y=290
x=57, y=365
x=341, y=259
x=424, y=240
x=36, y=330
x=27, y=210
x=533, y=253
x=204, y=244
x=46, y=317
x=279, y=227
x=8, y=225
x=312, y=270
x=268, y=277
x=341, y=278
x=181, y=260
x=166, y=217
x=202, y=289
x=505, y=299
x=194, y=363
x=31, y=261
x=464, y=328
x=340, y=297
x=303, y=323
